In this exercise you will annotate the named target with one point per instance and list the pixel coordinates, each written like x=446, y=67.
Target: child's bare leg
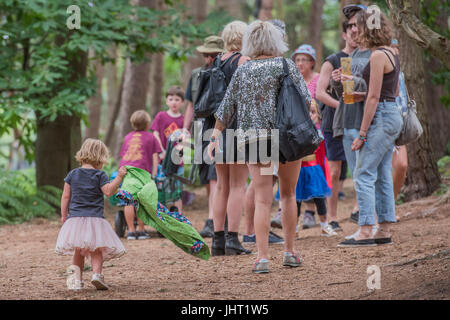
x=141, y=225
x=129, y=217
x=97, y=261
x=78, y=260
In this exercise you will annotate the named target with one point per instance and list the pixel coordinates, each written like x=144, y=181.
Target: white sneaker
x=328, y=231
x=99, y=282
x=352, y=236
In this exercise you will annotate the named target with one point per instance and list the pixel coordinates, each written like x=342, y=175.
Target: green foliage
x=20, y=200
x=39, y=54
x=444, y=166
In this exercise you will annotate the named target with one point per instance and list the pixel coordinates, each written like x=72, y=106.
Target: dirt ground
x=416, y=266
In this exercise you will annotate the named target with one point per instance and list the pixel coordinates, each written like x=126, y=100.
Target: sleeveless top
x=390, y=79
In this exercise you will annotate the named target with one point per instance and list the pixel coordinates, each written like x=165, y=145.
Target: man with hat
x=210, y=49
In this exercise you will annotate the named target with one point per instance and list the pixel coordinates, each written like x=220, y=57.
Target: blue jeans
x=373, y=173
x=349, y=136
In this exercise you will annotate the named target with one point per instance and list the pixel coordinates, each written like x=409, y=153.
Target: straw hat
x=212, y=44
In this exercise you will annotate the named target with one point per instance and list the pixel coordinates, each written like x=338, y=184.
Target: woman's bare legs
x=287, y=176
x=222, y=190
x=238, y=174
x=249, y=209
x=263, y=202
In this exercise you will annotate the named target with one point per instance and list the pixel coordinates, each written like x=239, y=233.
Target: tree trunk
x=265, y=9
x=232, y=7
x=315, y=29
x=94, y=104
x=199, y=13
x=423, y=175
x=439, y=114
x=59, y=140
x=134, y=94
x=110, y=72
x=404, y=13
x=157, y=84
x=157, y=77
x=111, y=129
x=134, y=97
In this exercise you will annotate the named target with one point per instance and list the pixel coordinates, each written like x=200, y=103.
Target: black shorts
x=334, y=148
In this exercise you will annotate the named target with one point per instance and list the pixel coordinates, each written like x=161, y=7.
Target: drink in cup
x=346, y=64
x=349, y=87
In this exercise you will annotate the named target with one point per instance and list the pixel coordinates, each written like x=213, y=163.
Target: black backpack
x=212, y=88
x=298, y=136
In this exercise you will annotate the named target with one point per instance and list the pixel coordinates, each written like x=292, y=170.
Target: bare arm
x=155, y=164
x=188, y=115
x=322, y=84
x=373, y=96
x=111, y=188
x=156, y=134
x=65, y=200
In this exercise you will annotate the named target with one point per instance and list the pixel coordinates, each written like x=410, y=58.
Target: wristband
x=364, y=140
x=212, y=139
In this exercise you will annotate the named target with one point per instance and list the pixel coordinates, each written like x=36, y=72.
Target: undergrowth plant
x=20, y=200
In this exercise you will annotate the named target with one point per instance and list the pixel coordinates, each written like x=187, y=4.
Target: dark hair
x=374, y=37
x=175, y=91
x=344, y=26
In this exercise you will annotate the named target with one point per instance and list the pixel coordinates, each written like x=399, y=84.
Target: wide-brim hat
x=212, y=44
x=305, y=49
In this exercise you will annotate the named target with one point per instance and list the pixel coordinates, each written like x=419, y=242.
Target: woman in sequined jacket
x=251, y=98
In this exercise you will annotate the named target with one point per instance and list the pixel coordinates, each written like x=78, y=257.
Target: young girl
x=85, y=231
x=314, y=181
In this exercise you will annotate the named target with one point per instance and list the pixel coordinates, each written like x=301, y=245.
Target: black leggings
x=320, y=205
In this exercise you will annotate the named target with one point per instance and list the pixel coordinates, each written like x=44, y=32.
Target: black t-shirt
x=327, y=111
x=86, y=198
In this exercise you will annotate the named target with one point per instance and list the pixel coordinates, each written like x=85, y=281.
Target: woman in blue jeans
x=381, y=125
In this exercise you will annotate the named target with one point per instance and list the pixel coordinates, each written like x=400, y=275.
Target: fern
x=21, y=201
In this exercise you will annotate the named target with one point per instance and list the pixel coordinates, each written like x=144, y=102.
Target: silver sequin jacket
x=252, y=95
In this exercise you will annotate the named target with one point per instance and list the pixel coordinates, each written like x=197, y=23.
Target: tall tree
x=94, y=104
x=112, y=85
x=264, y=9
x=199, y=13
x=404, y=13
x=134, y=91
x=157, y=76
x=315, y=28
x=232, y=7
x=423, y=175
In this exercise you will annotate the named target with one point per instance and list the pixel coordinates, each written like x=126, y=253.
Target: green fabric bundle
x=139, y=190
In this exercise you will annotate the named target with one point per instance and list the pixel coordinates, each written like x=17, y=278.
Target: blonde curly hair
x=93, y=152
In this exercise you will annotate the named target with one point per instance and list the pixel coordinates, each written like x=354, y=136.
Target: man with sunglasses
x=211, y=48
x=353, y=113
x=330, y=101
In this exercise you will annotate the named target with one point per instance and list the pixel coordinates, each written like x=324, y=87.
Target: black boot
x=218, y=244
x=233, y=246
x=208, y=229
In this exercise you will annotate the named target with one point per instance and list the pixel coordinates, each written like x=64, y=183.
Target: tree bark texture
x=265, y=9
x=58, y=141
x=315, y=29
x=94, y=104
x=423, y=176
x=404, y=13
x=110, y=73
x=199, y=13
x=232, y=7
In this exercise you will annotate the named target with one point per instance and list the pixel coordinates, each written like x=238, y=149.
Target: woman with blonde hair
x=251, y=98
x=231, y=176
x=380, y=127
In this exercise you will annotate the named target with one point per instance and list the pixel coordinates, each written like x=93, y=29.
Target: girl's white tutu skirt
x=88, y=234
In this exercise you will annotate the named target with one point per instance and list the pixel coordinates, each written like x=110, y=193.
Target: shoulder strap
x=285, y=67
x=384, y=50
x=228, y=59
